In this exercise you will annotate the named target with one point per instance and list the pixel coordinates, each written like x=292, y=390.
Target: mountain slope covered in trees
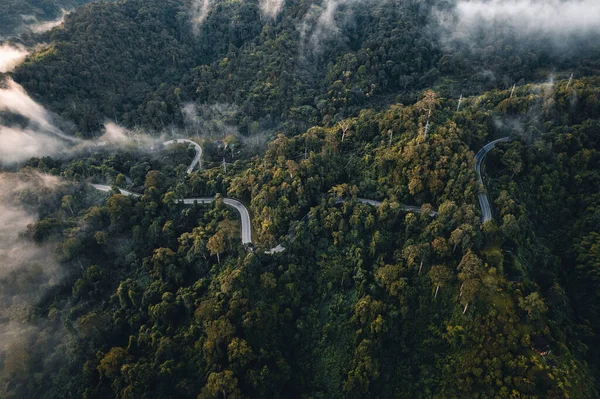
x=17, y=16
x=141, y=62
x=144, y=297
x=365, y=301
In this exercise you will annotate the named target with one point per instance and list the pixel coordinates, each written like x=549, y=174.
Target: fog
x=529, y=18
x=27, y=272
x=11, y=56
x=40, y=137
x=17, y=145
x=44, y=26
x=323, y=22
x=271, y=8
x=15, y=100
x=200, y=10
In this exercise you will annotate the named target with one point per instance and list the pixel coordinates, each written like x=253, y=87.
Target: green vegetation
x=15, y=15
x=365, y=302
x=156, y=299
x=139, y=63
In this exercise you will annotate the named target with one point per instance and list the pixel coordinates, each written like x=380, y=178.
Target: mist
x=17, y=145
x=14, y=99
x=27, y=272
x=530, y=18
x=200, y=10
x=39, y=138
x=324, y=22
x=11, y=56
x=45, y=26
x=271, y=8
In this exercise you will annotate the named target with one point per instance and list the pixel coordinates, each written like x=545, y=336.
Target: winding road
x=198, y=156
x=246, y=223
x=242, y=210
x=486, y=208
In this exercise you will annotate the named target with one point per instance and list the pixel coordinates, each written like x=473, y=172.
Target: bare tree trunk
x=436, y=291
x=466, y=307
x=345, y=128
x=218, y=258
x=420, y=268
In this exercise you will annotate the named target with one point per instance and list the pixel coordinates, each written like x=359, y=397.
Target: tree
x=533, y=305
x=221, y=385
x=155, y=179
x=67, y=203
x=216, y=245
x=439, y=275
x=111, y=363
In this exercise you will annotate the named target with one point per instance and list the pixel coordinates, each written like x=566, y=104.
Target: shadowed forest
x=297, y=105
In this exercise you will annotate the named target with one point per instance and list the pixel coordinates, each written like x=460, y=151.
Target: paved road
x=407, y=208
x=198, y=156
x=484, y=203
x=242, y=210
x=105, y=188
x=245, y=216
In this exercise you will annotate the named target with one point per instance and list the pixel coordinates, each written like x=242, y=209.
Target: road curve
x=484, y=203
x=245, y=215
x=242, y=210
x=198, y=156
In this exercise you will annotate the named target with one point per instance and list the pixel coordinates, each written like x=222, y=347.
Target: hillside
x=323, y=237
x=17, y=16
x=141, y=62
x=364, y=301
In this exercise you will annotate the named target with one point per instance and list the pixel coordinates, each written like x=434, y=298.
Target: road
x=198, y=156
x=245, y=216
x=242, y=210
x=105, y=188
x=407, y=208
x=484, y=203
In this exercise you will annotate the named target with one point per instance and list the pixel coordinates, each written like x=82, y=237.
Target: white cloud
x=41, y=27
x=530, y=17
x=200, y=10
x=17, y=145
x=271, y=8
x=14, y=99
x=11, y=56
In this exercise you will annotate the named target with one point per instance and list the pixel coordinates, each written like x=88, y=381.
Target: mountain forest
x=349, y=132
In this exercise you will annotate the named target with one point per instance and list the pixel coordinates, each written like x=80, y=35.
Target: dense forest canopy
x=18, y=16
x=142, y=62
x=305, y=111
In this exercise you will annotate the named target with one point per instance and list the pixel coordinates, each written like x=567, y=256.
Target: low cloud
x=324, y=22
x=11, y=56
x=17, y=145
x=271, y=8
x=14, y=99
x=40, y=138
x=118, y=136
x=212, y=121
x=319, y=25
x=200, y=10
x=530, y=18
x=27, y=271
x=45, y=26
